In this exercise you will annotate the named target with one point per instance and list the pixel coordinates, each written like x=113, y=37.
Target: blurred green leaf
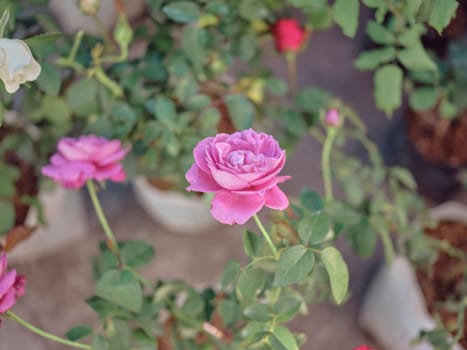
x=136, y=253
x=379, y=33
x=346, y=13
x=416, y=58
x=182, y=11
x=49, y=80
x=369, y=60
x=442, y=13
x=337, y=271
x=388, y=88
x=7, y=216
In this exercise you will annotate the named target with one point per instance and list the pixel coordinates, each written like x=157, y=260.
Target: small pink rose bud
x=332, y=118
x=363, y=347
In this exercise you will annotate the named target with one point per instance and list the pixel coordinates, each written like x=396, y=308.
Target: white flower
x=17, y=65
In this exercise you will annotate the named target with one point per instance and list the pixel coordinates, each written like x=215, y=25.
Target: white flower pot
x=394, y=309
x=174, y=210
x=67, y=223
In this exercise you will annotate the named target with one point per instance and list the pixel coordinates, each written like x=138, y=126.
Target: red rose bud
x=332, y=118
x=363, y=347
x=288, y=35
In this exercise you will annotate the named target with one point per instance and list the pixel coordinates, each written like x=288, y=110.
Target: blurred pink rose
x=288, y=35
x=242, y=169
x=363, y=347
x=12, y=286
x=332, y=118
x=86, y=157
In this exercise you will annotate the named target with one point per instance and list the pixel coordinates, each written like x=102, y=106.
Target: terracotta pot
x=174, y=210
x=439, y=140
x=394, y=310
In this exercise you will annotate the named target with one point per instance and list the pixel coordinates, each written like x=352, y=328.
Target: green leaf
x=78, y=332
x=313, y=99
x=415, y=58
x=230, y=312
x=294, y=264
x=337, y=271
x=282, y=339
x=43, y=39
x=164, y=110
x=404, y=176
x=259, y=312
x=411, y=36
x=252, y=9
x=388, y=88
x=56, y=109
x=49, y=80
x=82, y=97
x=193, y=305
x=369, y=60
x=362, y=239
x=251, y=244
x=136, y=253
x=423, y=99
x=99, y=343
x=311, y=200
x=287, y=307
x=314, y=229
x=182, y=11
x=346, y=14
x=343, y=213
x=230, y=273
x=4, y=21
x=7, y=216
x=373, y=3
x=249, y=284
x=241, y=111
x=442, y=14
x=379, y=34
x=448, y=109
x=121, y=288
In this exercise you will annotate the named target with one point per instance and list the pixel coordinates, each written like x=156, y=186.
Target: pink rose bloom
x=288, y=35
x=242, y=169
x=332, y=118
x=84, y=158
x=363, y=347
x=11, y=286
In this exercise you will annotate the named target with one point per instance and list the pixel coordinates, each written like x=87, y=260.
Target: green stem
x=266, y=236
x=112, y=242
x=76, y=45
x=326, y=163
x=291, y=58
x=388, y=247
x=46, y=335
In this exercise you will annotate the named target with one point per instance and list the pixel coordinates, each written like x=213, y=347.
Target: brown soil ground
x=443, y=280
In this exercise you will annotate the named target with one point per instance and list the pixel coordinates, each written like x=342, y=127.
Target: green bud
x=89, y=7
x=123, y=34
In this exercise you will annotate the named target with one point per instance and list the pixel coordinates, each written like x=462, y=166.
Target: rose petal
x=227, y=180
x=199, y=153
x=7, y=301
x=7, y=282
x=231, y=208
x=276, y=199
x=68, y=149
x=200, y=181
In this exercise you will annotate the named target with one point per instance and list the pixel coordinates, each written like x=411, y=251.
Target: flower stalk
x=111, y=241
x=266, y=236
x=326, y=163
x=45, y=334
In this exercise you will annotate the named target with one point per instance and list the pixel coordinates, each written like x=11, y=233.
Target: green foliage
x=388, y=86
x=337, y=271
x=346, y=14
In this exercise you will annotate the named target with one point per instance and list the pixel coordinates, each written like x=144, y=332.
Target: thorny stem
x=44, y=334
x=266, y=236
